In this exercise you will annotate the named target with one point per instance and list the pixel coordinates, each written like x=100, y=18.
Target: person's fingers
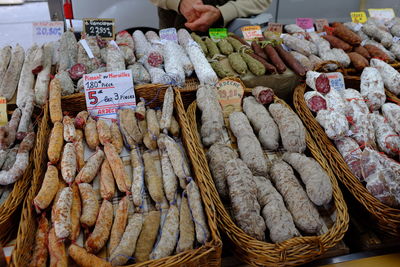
x=198, y=25
x=201, y=8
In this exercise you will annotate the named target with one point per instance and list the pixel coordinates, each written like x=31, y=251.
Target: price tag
x=3, y=111
x=47, y=31
x=336, y=81
x=275, y=27
x=251, y=32
x=230, y=94
x=218, y=33
x=169, y=34
x=305, y=23
x=320, y=23
x=358, y=17
x=383, y=14
x=104, y=28
x=106, y=92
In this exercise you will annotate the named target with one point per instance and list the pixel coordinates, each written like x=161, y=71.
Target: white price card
x=107, y=92
x=383, y=14
x=251, y=32
x=47, y=31
x=169, y=34
x=336, y=81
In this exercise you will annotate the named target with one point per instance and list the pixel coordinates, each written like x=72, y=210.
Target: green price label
x=218, y=33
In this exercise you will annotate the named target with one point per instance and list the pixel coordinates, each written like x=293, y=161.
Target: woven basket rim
x=290, y=252
x=210, y=251
x=381, y=211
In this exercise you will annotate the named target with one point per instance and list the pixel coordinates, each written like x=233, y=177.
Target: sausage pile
x=16, y=140
x=348, y=43
x=364, y=127
x=109, y=209
x=264, y=194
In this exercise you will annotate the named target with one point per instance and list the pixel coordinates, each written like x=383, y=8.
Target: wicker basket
x=206, y=255
x=9, y=210
x=292, y=252
x=388, y=218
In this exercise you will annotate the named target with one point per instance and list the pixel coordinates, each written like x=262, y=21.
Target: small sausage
x=268, y=67
x=117, y=167
x=91, y=134
x=69, y=129
x=13, y=126
x=80, y=119
x=153, y=175
x=359, y=62
x=61, y=186
x=68, y=163
x=147, y=236
x=167, y=109
x=90, y=205
x=40, y=252
x=56, y=142
x=55, y=101
x=85, y=259
x=186, y=227
x=25, y=121
x=48, y=190
x=79, y=149
x=62, y=220
x=118, y=228
x=92, y=166
x=376, y=52
x=140, y=111
x=107, y=185
x=258, y=50
x=104, y=132
x=293, y=63
x=99, y=236
x=337, y=43
x=116, y=137
x=362, y=51
x=76, y=211
x=137, y=188
x=58, y=254
x=174, y=129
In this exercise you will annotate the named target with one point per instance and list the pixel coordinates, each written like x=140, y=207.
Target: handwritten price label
x=358, y=17
x=251, y=32
x=383, y=14
x=275, y=27
x=305, y=23
x=169, y=34
x=106, y=92
x=230, y=94
x=320, y=23
x=3, y=111
x=101, y=27
x=218, y=33
x=47, y=31
x=336, y=81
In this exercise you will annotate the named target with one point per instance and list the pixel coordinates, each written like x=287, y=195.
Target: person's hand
x=207, y=16
x=186, y=8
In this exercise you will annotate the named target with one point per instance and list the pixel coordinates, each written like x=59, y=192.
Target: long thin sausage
x=9, y=83
x=92, y=166
x=48, y=190
x=62, y=221
x=40, y=251
x=117, y=167
x=68, y=163
x=118, y=228
x=85, y=259
x=90, y=205
x=76, y=211
x=57, y=251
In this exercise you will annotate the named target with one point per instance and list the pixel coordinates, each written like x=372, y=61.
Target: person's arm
x=167, y=4
x=242, y=8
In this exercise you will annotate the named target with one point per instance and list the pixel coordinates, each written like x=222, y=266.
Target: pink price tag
x=305, y=23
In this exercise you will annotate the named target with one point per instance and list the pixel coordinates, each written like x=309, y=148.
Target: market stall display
x=361, y=143
x=152, y=178
x=256, y=200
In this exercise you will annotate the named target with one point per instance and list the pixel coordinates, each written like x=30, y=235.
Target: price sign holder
x=218, y=33
x=105, y=28
x=320, y=24
x=275, y=27
x=47, y=31
x=3, y=111
x=384, y=14
x=107, y=92
x=336, y=81
x=358, y=17
x=169, y=34
x=251, y=32
x=305, y=23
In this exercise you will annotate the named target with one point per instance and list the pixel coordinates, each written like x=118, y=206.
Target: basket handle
x=321, y=65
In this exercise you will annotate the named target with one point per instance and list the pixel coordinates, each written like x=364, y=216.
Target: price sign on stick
x=358, y=17
x=104, y=28
x=336, y=81
x=383, y=14
x=251, y=32
x=305, y=23
x=275, y=27
x=107, y=92
x=47, y=31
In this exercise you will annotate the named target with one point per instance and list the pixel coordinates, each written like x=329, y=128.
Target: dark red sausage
x=290, y=61
x=258, y=50
x=268, y=67
x=275, y=58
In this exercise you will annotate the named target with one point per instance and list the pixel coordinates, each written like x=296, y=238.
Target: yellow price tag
x=3, y=111
x=358, y=17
